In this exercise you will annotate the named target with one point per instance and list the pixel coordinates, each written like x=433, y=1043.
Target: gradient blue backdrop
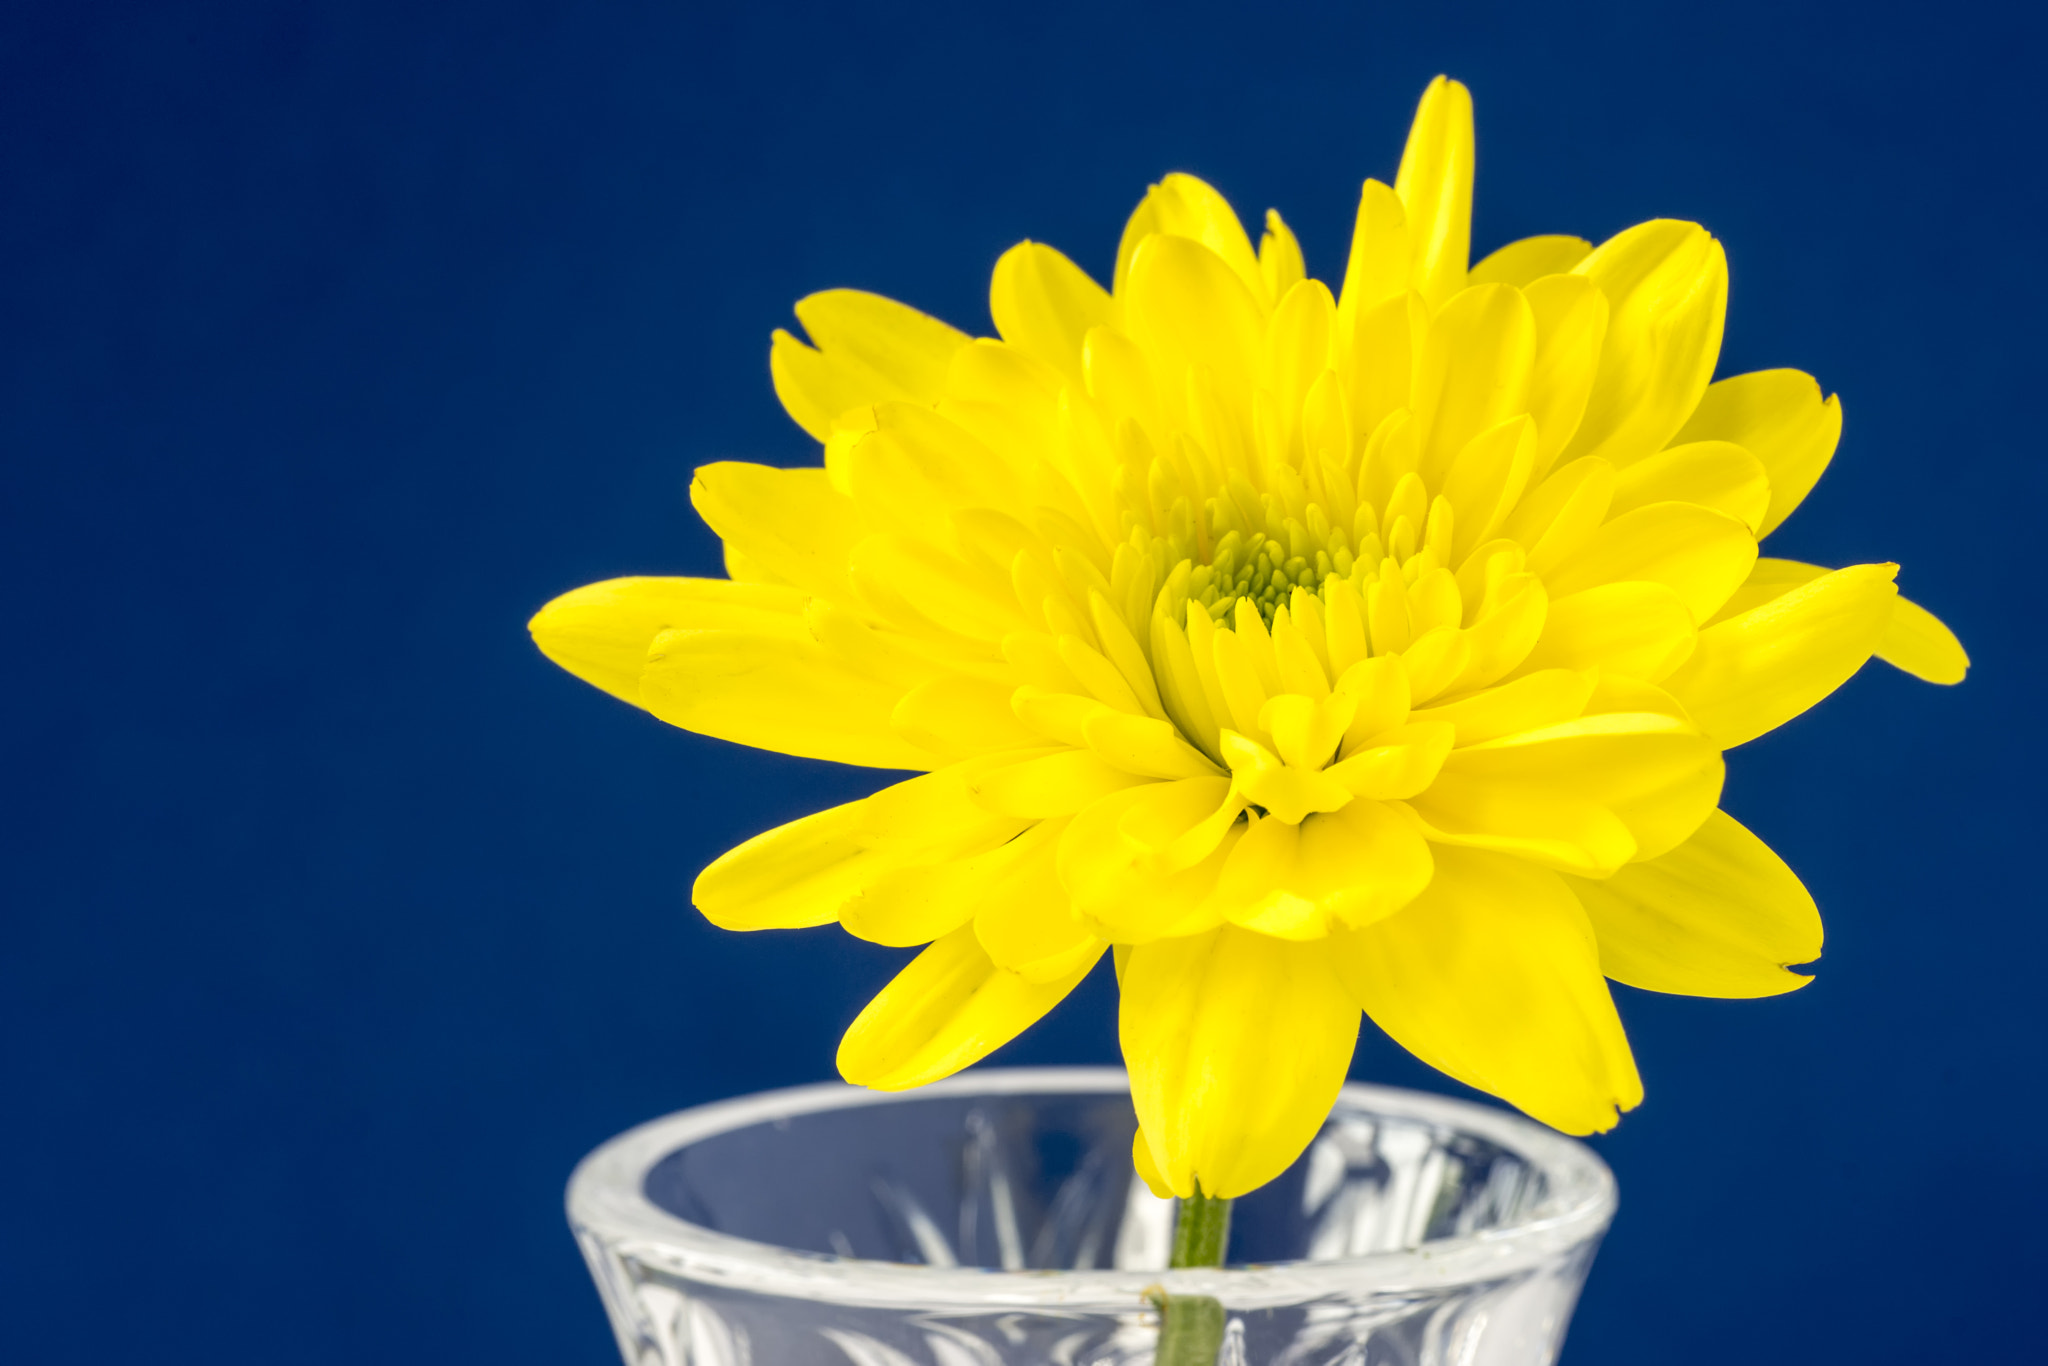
x=339, y=337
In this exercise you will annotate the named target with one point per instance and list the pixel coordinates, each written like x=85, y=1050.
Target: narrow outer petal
x=1915, y=640
x=790, y=524
x=870, y=349
x=789, y=696
x=805, y=872
x=1720, y=915
x=1754, y=672
x=1435, y=185
x=601, y=632
x=902, y=346
x=950, y=1008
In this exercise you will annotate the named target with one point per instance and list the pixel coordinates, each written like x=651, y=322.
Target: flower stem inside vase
x=1191, y=1326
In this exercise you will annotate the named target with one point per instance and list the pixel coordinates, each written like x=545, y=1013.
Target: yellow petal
x=922, y=457
x=1562, y=512
x=1025, y=920
x=1305, y=731
x=1098, y=675
x=1503, y=637
x=1289, y=793
x=1473, y=373
x=1435, y=185
x=1529, y=703
x=907, y=349
x=1716, y=474
x=1120, y=378
x=1379, y=688
x=1398, y=764
x=1378, y=265
x=1667, y=283
x=1280, y=263
x=1486, y=480
x=879, y=654
x=1005, y=394
x=949, y=1009
x=921, y=902
x=1616, y=693
x=791, y=523
x=1779, y=417
x=1035, y=658
x=1237, y=679
x=1237, y=1044
x=1349, y=867
x=1492, y=975
x=1720, y=915
x=805, y=872
x=1250, y=890
x=1050, y=785
x=1043, y=304
x=1191, y=312
x=1916, y=640
x=1584, y=796
x=1185, y=206
x=1698, y=553
x=1769, y=578
x=940, y=590
x=601, y=632
x=1434, y=660
x=1144, y=745
x=1120, y=647
x=1754, y=672
x=813, y=390
x=1523, y=263
x=795, y=875
x=1639, y=629
x=1297, y=348
x=1377, y=351
x=1142, y=1160
x=1571, y=325
x=1298, y=643
x=907, y=907
x=961, y=717
x=1141, y=863
x=1184, y=690
x=1058, y=716
x=775, y=693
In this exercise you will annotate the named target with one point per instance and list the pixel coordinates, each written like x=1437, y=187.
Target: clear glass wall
x=995, y=1219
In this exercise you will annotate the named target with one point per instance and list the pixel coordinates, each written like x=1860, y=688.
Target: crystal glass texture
x=994, y=1219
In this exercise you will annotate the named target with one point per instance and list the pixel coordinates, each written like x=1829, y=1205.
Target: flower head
x=1320, y=652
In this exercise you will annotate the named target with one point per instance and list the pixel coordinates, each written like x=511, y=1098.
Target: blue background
x=339, y=337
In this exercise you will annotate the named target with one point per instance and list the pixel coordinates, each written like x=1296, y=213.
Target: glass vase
x=994, y=1218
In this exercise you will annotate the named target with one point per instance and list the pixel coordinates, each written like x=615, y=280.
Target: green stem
x=1191, y=1326
x=1201, y=1233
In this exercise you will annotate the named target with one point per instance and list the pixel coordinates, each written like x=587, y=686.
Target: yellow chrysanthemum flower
x=1319, y=653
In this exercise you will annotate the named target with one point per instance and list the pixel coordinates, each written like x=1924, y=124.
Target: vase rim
x=607, y=1201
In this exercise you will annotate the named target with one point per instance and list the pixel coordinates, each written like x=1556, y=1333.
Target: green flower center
x=1267, y=569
